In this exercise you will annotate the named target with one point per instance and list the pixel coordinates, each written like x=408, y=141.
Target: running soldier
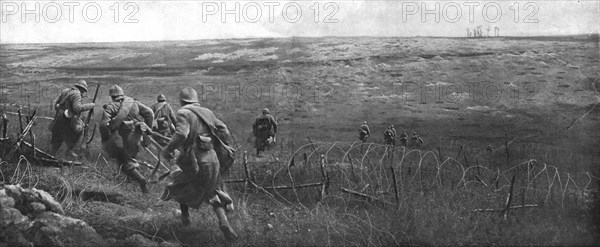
x=123, y=125
x=417, y=140
x=264, y=130
x=388, y=136
x=404, y=138
x=205, y=156
x=164, y=119
x=364, y=132
x=394, y=132
x=67, y=125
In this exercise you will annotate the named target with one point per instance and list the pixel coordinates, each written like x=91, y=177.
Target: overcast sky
x=107, y=21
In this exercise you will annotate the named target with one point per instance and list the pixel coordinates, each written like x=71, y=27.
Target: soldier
x=364, y=132
x=164, y=117
x=417, y=140
x=264, y=130
x=201, y=138
x=388, y=136
x=404, y=138
x=67, y=125
x=394, y=133
x=124, y=124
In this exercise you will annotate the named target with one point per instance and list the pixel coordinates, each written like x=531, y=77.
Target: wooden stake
x=459, y=151
x=20, y=121
x=246, y=172
x=351, y=166
x=20, y=140
x=502, y=209
x=368, y=197
x=283, y=187
x=325, y=178
x=4, y=125
x=507, y=153
x=509, y=198
x=395, y=187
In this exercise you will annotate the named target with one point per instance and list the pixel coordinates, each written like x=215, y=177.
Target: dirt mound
x=31, y=217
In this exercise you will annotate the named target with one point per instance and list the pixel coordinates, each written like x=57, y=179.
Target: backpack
x=225, y=153
x=389, y=135
x=160, y=121
x=362, y=131
x=126, y=105
x=264, y=123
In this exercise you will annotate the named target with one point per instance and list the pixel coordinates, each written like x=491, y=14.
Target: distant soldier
x=205, y=156
x=388, y=136
x=394, y=133
x=125, y=122
x=364, y=132
x=404, y=138
x=417, y=140
x=264, y=130
x=164, y=118
x=67, y=125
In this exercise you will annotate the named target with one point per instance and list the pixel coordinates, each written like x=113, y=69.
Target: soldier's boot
x=224, y=223
x=71, y=149
x=185, y=214
x=136, y=175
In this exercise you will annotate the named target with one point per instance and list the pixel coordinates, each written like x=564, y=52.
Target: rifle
x=89, y=118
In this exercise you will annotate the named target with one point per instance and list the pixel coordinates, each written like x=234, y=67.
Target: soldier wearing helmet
x=364, y=132
x=164, y=118
x=264, y=130
x=124, y=124
x=389, y=136
x=404, y=138
x=67, y=125
x=204, y=157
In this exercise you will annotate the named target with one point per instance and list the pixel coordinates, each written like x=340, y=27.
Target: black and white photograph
x=184, y=123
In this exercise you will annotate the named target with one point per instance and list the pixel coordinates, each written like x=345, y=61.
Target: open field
x=538, y=94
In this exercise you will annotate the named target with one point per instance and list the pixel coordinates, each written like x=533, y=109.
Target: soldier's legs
x=161, y=141
x=224, y=222
x=55, y=141
x=136, y=175
x=131, y=171
x=71, y=139
x=185, y=214
x=259, y=144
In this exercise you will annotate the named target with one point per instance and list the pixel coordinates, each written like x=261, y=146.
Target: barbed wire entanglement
x=522, y=174
x=389, y=175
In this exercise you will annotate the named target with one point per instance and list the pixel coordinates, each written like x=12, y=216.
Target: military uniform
x=417, y=140
x=404, y=138
x=196, y=137
x=264, y=130
x=364, y=132
x=122, y=127
x=389, y=137
x=164, y=117
x=67, y=125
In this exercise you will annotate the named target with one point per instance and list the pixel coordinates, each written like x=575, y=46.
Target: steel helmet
x=161, y=97
x=188, y=95
x=116, y=91
x=82, y=85
x=266, y=110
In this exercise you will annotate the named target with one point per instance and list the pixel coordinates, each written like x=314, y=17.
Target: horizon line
x=591, y=35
